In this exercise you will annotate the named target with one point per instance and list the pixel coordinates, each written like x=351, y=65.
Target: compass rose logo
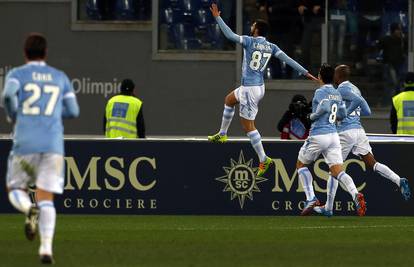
x=241, y=179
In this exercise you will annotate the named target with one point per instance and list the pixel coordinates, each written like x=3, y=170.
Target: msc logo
x=241, y=180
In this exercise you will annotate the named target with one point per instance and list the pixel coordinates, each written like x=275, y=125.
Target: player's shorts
x=249, y=98
x=326, y=144
x=355, y=141
x=45, y=170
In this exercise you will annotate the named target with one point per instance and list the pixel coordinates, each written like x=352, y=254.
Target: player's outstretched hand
x=310, y=76
x=215, y=11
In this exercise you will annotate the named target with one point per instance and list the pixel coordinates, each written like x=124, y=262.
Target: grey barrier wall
x=180, y=97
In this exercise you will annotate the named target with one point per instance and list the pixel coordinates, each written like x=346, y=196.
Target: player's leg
x=386, y=172
x=249, y=98
x=256, y=141
x=333, y=157
x=20, y=172
x=49, y=182
x=364, y=149
x=347, y=143
x=229, y=106
x=308, y=153
x=346, y=180
x=47, y=222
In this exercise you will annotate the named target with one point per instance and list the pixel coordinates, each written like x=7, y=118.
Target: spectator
x=284, y=24
x=393, y=48
x=253, y=10
x=369, y=27
x=402, y=111
x=312, y=14
x=337, y=29
x=295, y=123
x=123, y=115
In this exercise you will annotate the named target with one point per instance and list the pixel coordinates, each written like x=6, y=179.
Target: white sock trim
x=20, y=200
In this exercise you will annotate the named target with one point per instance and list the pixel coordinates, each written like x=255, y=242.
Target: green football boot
x=264, y=166
x=218, y=138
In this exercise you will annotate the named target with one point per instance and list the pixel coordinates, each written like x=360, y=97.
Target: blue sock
x=228, y=114
x=256, y=141
x=306, y=179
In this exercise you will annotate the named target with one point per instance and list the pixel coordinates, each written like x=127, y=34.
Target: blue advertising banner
x=197, y=177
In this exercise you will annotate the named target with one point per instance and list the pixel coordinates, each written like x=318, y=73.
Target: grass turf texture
x=216, y=241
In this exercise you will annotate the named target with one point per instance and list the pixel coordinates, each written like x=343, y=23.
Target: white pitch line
x=293, y=228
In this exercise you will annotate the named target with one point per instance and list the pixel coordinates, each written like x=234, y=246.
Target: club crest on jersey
x=240, y=179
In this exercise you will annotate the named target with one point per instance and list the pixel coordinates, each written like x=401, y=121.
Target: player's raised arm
x=224, y=28
x=295, y=65
x=9, y=97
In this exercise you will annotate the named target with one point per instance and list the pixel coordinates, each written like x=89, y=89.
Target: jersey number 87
x=256, y=60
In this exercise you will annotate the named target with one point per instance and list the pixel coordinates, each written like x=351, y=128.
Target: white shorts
x=326, y=144
x=45, y=170
x=354, y=140
x=249, y=98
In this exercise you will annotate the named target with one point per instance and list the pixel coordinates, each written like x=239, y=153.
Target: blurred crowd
x=368, y=35
x=116, y=9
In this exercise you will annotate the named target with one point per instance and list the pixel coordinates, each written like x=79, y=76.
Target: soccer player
x=257, y=53
x=327, y=108
x=36, y=97
x=353, y=139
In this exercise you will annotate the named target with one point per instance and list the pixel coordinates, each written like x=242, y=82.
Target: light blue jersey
x=36, y=97
x=355, y=104
x=327, y=108
x=257, y=53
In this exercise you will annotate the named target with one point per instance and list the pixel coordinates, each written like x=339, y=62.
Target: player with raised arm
x=327, y=108
x=257, y=53
x=36, y=97
x=353, y=139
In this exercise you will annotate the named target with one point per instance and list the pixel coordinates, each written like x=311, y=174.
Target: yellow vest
x=404, y=105
x=121, y=116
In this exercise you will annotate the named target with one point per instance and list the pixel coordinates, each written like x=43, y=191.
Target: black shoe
x=47, y=259
x=30, y=225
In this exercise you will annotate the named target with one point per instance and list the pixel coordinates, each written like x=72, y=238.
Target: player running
x=36, y=97
x=327, y=108
x=353, y=139
x=257, y=53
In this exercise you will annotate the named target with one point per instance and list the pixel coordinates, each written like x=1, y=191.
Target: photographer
x=295, y=124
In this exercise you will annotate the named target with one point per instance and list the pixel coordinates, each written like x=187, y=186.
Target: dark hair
x=35, y=46
x=343, y=72
x=395, y=26
x=327, y=73
x=262, y=27
x=127, y=86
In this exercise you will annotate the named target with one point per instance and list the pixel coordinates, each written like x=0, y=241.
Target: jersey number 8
x=256, y=60
x=28, y=105
x=332, y=116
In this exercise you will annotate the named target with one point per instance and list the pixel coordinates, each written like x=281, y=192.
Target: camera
x=299, y=109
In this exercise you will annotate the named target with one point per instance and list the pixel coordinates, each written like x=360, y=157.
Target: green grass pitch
x=216, y=241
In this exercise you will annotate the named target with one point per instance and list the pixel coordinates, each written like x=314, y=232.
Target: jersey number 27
x=29, y=107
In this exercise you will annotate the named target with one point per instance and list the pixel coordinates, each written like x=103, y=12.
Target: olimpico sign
x=81, y=85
